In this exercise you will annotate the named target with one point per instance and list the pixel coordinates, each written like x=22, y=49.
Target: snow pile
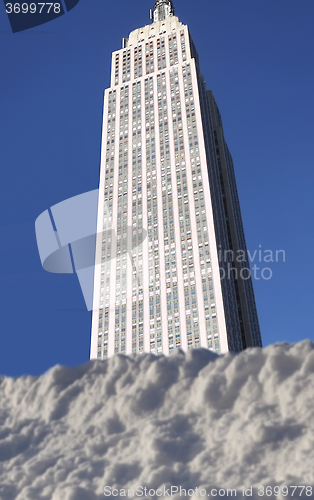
x=190, y=420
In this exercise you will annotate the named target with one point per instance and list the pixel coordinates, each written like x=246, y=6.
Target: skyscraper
x=171, y=266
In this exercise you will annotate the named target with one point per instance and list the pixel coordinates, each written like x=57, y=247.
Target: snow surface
x=192, y=420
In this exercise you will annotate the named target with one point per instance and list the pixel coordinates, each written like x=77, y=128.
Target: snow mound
x=190, y=420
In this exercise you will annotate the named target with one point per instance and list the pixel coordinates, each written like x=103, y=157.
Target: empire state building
x=169, y=224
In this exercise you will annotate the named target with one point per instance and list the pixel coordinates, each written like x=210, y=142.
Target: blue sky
x=256, y=56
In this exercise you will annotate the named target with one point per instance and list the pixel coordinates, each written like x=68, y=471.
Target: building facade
x=171, y=262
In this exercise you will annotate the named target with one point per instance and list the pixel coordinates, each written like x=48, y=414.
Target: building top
x=162, y=10
x=148, y=32
x=164, y=21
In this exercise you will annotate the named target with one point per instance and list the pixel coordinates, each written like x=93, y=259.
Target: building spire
x=162, y=10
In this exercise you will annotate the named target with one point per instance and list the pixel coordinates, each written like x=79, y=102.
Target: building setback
x=168, y=270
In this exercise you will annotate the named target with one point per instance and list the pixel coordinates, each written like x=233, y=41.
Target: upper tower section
x=157, y=46
x=162, y=10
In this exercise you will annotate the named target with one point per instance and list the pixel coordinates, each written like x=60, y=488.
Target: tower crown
x=162, y=10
